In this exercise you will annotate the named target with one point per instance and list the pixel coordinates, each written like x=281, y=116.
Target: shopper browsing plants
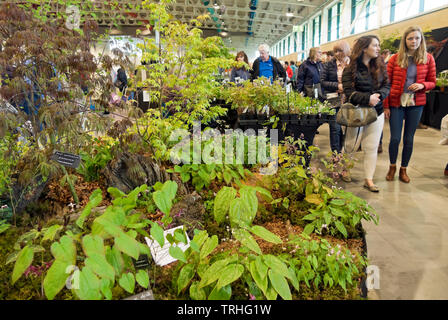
x=412, y=72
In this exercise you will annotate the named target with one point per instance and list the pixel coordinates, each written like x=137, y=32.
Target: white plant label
x=161, y=255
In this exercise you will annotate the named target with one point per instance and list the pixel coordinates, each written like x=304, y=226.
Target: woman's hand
x=386, y=113
x=340, y=88
x=374, y=99
x=416, y=87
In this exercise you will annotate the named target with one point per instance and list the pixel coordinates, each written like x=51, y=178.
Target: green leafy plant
x=95, y=160
x=240, y=210
x=108, y=241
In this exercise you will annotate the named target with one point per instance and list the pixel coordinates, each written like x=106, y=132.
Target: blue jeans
x=336, y=135
x=411, y=117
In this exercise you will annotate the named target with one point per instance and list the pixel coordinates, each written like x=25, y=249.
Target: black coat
x=329, y=77
x=308, y=74
x=278, y=71
x=363, y=86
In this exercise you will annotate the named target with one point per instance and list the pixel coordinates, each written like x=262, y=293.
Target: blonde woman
x=308, y=75
x=412, y=72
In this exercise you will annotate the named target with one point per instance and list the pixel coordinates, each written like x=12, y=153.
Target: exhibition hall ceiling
x=244, y=24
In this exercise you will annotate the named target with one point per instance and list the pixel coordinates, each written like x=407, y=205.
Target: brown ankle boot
x=403, y=176
x=391, y=174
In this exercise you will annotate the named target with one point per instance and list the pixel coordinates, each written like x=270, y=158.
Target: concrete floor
x=410, y=244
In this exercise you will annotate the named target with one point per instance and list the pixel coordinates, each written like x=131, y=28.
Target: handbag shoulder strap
x=351, y=96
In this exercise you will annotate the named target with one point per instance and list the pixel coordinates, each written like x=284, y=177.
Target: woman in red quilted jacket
x=412, y=72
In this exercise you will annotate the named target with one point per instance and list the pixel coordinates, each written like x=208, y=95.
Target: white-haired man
x=267, y=66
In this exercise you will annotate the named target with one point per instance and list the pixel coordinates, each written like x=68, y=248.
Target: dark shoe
x=372, y=188
x=380, y=148
x=422, y=126
x=403, y=175
x=391, y=174
x=446, y=172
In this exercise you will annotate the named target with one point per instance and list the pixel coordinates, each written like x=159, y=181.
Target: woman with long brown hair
x=365, y=83
x=412, y=72
x=241, y=73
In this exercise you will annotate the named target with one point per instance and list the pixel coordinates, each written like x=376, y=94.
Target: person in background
x=412, y=72
x=289, y=71
x=267, y=66
x=365, y=83
x=242, y=72
x=331, y=82
x=122, y=80
x=385, y=54
x=308, y=76
x=294, y=74
x=330, y=55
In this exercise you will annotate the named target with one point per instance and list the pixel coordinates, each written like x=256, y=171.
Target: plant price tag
x=161, y=255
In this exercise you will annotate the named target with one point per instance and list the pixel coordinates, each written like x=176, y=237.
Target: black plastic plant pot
x=294, y=118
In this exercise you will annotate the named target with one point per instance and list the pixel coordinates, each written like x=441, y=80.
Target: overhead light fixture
x=289, y=13
x=224, y=33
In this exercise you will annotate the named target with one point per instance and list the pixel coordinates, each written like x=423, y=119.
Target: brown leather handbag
x=350, y=115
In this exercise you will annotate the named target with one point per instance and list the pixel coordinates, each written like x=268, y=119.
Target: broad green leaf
x=249, y=196
x=239, y=213
x=271, y=294
x=262, y=282
x=185, y=275
x=24, y=260
x=51, y=232
x=89, y=285
x=116, y=193
x=229, y=274
x=222, y=294
x=158, y=234
x=212, y=274
x=114, y=257
x=164, y=198
x=314, y=199
x=98, y=263
x=337, y=202
x=105, y=289
x=264, y=192
x=293, y=277
x=142, y=278
x=309, y=228
x=200, y=237
x=128, y=245
x=64, y=250
x=93, y=245
x=337, y=212
x=265, y=234
x=209, y=245
x=127, y=282
x=276, y=264
x=12, y=257
x=177, y=253
x=261, y=267
x=55, y=278
x=95, y=199
x=179, y=235
x=280, y=284
x=341, y=228
x=197, y=293
x=222, y=203
x=247, y=240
